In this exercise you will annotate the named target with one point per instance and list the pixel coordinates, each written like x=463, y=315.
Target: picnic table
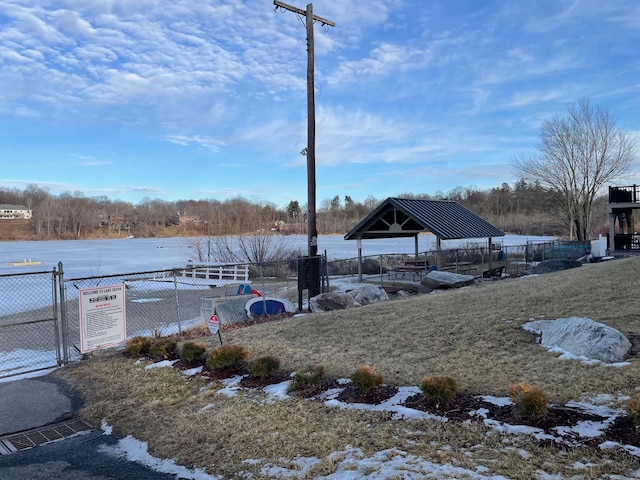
x=416, y=268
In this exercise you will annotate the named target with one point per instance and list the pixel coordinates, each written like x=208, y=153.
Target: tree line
x=521, y=208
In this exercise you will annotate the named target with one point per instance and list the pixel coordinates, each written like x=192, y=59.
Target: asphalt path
x=91, y=456
x=28, y=404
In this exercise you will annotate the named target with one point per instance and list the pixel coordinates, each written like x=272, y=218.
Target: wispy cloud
x=209, y=143
x=404, y=90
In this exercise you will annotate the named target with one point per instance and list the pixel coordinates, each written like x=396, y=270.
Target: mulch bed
x=317, y=389
x=257, y=382
x=352, y=394
x=463, y=408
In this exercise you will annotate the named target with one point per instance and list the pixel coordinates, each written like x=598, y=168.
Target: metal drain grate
x=39, y=436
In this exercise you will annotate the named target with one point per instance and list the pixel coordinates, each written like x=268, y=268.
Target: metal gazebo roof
x=405, y=217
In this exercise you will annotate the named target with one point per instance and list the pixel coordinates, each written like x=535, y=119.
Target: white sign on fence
x=102, y=317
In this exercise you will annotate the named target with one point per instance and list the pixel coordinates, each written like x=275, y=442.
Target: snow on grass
x=278, y=391
x=352, y=463
x=137, y=451
x=162, y=364
x=587, y=429
x=190, y=372
x=231, y=386
x=392, y=405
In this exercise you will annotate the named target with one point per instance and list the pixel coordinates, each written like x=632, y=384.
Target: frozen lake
x=83, y=258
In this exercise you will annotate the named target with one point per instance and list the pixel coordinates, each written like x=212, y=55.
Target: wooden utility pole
x=312, y=230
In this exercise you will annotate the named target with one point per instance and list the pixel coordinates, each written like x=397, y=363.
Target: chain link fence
x=40, y=315
x=163, y=302
x=29, y=323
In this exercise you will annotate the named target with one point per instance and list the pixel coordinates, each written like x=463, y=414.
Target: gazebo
x=409, y=217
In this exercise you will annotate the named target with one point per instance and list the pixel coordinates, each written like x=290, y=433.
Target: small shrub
x=226, y=356
x=529, y=401
x=263, y=367
x=162, y=348
x=138, y=346
x=307, y=377
x=439, y=389
x=191, y=351
x=633, y=410
x=366, y=379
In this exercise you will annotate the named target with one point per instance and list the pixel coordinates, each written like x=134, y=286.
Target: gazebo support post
x=416, y=248
x=359, y=259
x=490, y=255
x=439, y=253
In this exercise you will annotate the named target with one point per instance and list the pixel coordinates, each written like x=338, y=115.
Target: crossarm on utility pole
x=299, y=11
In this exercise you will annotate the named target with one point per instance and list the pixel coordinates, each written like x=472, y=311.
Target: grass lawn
x=473, y=334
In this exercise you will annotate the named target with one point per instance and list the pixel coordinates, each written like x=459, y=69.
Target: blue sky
x=197, y=99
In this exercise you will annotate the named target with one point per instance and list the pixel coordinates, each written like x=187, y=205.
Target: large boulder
x=437, y=280
x=325, y=302
x=583, y=337
x=367, y=293
x=555, y=265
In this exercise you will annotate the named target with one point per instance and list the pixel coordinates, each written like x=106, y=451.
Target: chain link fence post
x=64, y=324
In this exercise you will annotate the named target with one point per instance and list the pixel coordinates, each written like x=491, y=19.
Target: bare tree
x=578, y=155
x=260, y=247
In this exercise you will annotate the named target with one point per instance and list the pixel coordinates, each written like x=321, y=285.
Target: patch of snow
x=22, y=376
x=481, y=412
x=137, y=451
x=162, y=364
x=147, y=300
x=22, y=360
x=278, y=391
x=499, y=401
x=231, y=386
x=352, y=463
x=190, y=372
x=106, y=428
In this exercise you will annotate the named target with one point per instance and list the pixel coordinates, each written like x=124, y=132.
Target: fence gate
x=30, y=332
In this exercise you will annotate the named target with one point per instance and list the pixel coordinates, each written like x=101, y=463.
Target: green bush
x=138, y=346
x=366, y=379
x=191, y=351
x=226, y=356
x=529, y=401
x=263, y=367
x=439, y=389
x=307, y=377
x=162, y=348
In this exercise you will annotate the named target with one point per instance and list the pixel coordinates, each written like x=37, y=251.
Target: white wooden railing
x=216, y=274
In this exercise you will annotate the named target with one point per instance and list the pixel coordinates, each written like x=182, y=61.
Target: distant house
x=12, y=212
x=188, y=219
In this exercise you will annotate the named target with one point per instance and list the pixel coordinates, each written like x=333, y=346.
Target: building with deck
x=623, y=237
x=13, y=212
